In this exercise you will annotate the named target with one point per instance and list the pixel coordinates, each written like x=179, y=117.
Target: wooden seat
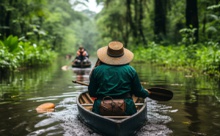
x=117, y=117
x=89, y=104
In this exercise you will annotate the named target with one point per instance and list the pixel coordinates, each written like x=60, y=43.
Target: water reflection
x=54, y=85
x=194, y=109
x=191, y=106
x=81, y=74
x=21, y=84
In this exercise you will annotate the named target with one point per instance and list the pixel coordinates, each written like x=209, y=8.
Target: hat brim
x=125, y=59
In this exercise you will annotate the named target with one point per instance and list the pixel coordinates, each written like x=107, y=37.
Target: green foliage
x=113, y=12
x=214, y=7
x=49, y=22
x=204, y=57
x=209, y=58
x=35, y=55
x=115, y=23
x=12, y=43
x=15, y=53
x=9, y=50
x=7, y=59
x=187, y=34
x=210, y=21
x=41, y=26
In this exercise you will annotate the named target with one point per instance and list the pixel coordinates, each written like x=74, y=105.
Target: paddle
x=159, y=94
x=65, y=67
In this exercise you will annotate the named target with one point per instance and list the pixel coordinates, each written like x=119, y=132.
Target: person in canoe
x=113, y=78
x=81, y=56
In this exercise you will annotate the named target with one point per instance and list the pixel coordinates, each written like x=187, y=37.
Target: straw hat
x=115, y=54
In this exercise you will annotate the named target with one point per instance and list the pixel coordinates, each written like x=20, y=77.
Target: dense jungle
x=174, y=34
x=175, y=45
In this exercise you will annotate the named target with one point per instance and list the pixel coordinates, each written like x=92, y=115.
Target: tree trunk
x=129, y=18
x=140, y=25
x=192, y=17
x=160, y=19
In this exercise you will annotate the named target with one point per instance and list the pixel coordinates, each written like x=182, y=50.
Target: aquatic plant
x=15, y=53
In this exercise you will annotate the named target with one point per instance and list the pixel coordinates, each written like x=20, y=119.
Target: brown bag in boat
x=112, y=107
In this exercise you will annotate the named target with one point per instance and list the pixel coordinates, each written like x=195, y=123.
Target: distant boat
x=111, y=125
x=82, y=64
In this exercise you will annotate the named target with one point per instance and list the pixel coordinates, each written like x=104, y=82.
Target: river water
x=193, y=111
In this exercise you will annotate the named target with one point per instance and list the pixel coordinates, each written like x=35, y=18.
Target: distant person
x=81, y=55
x=68, y=57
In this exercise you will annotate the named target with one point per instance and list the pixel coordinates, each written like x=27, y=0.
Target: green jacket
x=111, y=80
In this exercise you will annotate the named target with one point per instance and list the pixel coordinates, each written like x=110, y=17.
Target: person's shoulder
x=129, y=67
x=104, y=66
x=101, y=66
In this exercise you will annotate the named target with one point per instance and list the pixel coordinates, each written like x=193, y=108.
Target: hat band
x=115, y=53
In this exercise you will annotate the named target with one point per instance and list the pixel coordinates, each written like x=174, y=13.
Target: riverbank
x=203, y=58
x=17, y=54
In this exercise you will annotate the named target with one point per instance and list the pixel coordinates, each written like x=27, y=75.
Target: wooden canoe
x=82, y=65
x=111, y=125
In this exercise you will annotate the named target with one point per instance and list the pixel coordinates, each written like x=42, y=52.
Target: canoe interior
x=87, y=102
x=111, y=125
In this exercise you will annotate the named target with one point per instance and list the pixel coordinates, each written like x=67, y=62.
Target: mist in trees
x=137, y=22
x=49, y=22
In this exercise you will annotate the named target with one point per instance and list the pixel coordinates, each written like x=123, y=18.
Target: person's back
x=114, y=77
x=114, y=80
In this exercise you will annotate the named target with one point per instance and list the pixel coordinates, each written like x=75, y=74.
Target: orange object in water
x=45, y=107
